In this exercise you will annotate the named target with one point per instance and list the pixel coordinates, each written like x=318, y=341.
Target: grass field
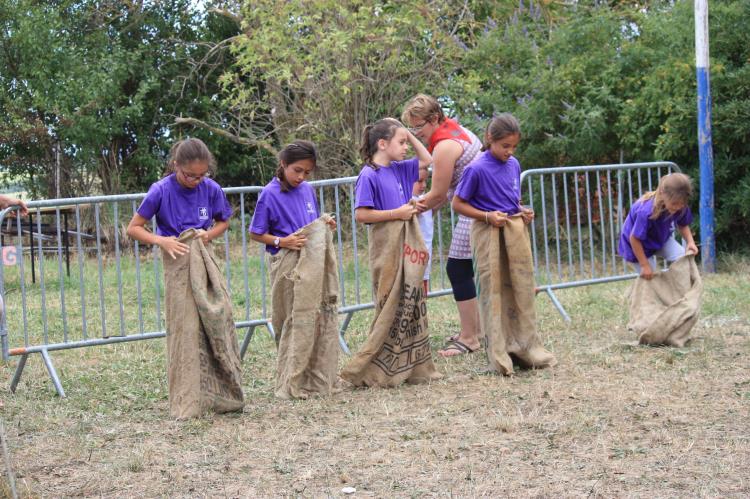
x=612, y=419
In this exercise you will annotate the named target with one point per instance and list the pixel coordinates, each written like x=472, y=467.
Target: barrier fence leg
x=557, y=304
x=246, y=341
x=6, y=458
x=271, y=331
x=19, y=372
x=53, y=373
x=342, y=341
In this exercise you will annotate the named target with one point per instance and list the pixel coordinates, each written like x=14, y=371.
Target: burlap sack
x=305, y=287
x=665, y=309
x=398, y=346
x=505, y=284
x=203, y=357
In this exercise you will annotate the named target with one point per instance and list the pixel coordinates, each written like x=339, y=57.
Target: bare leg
x=468, y=313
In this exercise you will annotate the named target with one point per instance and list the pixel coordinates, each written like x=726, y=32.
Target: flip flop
x=458, y=346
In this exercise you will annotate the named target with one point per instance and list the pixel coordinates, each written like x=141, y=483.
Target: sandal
x=457, y=346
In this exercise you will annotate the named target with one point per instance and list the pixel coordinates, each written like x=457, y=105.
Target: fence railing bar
x=81, y=276
x=569, y=235
x=339, y=244
x=441, y=251
x=544, y=229
x=534, y=250
x=620, y=208
x=262, y=251
x=602, y=221
x=227, y=259
x=246, y=279
x=640, y=185
x=355, y=247
x=613, y=250
x=157, y=276
x=100, y=269
x=591, y=225
x=557, y=226
x=61, y=276
x=118, y=267
x=137, y=259
x=43, y=289
x=578, y=223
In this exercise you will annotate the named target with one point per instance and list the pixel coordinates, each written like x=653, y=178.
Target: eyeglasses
x=417, y=128
x=196, y=178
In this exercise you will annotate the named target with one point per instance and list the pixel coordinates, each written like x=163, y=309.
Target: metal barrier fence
x=114, y=293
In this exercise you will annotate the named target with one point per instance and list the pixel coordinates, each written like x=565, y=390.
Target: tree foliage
x=102, y=89
x=90, y=89
x=619, y=82
x=323, y=69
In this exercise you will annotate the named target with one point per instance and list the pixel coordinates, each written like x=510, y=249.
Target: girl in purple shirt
x=490, y=188
x=186, y=198
x=384, y=186
x=490, y=191
x=648, y=228
x=287, y=202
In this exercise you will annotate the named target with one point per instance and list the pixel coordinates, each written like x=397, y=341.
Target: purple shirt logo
x=202, y=213
x=311, y=209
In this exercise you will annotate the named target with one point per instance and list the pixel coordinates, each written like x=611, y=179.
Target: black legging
x=461, y=275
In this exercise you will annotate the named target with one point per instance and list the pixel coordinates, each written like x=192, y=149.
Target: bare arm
x=425, y=158
x=646, y=271
x=495, y=218
x=445, y=155
x=687, y=236
x=219, y=227
x=6, y=201
x=137, y=230
x=292, y=241
x=373, y=216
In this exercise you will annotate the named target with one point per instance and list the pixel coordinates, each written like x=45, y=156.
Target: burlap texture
x=665, y=309
x=305, y=287
x=505, y=284
x=203, y=359
x=398, y=346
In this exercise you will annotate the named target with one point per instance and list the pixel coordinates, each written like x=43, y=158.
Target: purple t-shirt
x=281, y=213
x=179, y=208
x=489, y=184
x=653, y=234
x=388, y=187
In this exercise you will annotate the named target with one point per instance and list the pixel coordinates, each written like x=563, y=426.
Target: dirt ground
x=611, y=420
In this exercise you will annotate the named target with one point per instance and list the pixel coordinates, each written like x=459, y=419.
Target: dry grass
x=611, y=420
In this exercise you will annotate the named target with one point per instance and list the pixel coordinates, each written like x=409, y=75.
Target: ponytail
x=366, y=152
x=383, y=129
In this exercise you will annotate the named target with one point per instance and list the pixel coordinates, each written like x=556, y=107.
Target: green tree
x=90, y=90
x=322, y=70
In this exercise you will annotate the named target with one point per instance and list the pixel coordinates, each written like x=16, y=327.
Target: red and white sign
x=10, y=255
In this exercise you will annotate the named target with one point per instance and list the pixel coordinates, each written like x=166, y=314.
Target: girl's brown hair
x=296, y=151
x=382, y=129
x=672, y=187
x=188, y=150
x=423, y=107
x=499, y=127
